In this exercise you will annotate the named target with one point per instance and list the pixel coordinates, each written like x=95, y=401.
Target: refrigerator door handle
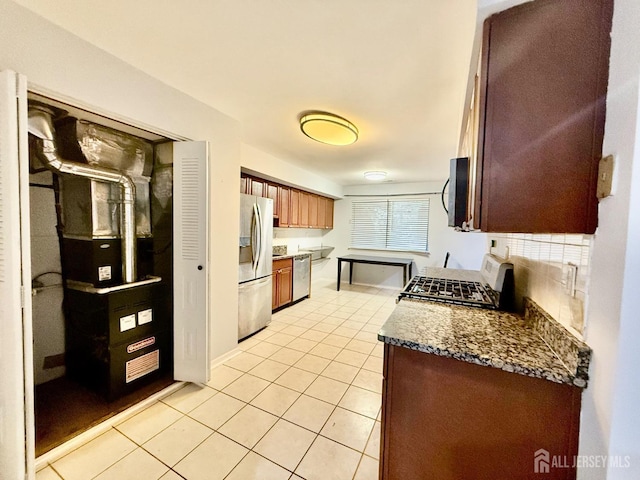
x=259, y=236
x=254, y=238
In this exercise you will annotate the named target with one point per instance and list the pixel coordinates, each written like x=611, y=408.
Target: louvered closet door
x=16, y=372
x=190, y=261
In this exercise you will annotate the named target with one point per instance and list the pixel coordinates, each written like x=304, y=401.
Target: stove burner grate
x=459, y=292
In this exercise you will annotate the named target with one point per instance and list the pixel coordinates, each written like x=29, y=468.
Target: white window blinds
x=390, y=224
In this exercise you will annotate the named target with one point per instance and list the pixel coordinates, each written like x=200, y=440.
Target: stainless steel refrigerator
x=255, y=289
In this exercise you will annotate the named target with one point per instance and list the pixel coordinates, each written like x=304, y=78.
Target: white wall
x=610, y=418
x=47, y=314
x=74, y=71
x=466, y=248
x=272, y=168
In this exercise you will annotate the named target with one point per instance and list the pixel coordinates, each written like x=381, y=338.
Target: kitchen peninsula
x=470, y=393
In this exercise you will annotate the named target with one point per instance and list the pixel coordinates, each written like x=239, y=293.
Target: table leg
x=339, y=272
x=350, y=272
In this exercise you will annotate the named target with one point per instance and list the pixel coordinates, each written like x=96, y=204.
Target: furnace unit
x=116, y=337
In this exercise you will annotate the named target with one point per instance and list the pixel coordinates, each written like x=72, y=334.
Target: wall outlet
x=569, y=278
x=605, y=177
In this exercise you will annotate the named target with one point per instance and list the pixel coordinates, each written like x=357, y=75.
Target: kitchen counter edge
x=535, y=345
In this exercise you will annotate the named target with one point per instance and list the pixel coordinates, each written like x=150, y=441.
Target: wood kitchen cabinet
x=282, y=281
x=322, y=212
x=284, y=205
x=328, y=218
x=543, y=86
x=294, y=210
x=291, y=207
x=271, y=191
x=448, y=419
x=313, y=212
x=257, y=187
x=303, y=212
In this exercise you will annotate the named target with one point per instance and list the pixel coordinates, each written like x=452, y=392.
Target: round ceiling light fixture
x=375, y=175
x=328, y=128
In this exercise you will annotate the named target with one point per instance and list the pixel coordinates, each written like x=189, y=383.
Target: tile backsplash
x=542, y=270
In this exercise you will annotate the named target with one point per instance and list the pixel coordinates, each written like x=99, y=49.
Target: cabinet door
x=274, y=285
x=303, y=212
x=544, y=86
x=520, y=412
x=313, y=211
x=243, y=184
x=294, y=212
x=329, y=213
x=284, y=201
x=257, y=187
x=271, y=191
x=285, y=292
x=322, y=212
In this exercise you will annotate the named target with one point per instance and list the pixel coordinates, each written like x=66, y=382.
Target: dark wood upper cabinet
x=543, y=85
x=291, y=207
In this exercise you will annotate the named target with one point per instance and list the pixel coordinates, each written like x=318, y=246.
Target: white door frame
x=16, y=336
x=17, y=427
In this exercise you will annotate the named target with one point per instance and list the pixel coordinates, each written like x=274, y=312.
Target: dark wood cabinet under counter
x=282, y=281
x=476, y=393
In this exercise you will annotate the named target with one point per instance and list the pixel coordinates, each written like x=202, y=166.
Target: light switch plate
x=605, y=177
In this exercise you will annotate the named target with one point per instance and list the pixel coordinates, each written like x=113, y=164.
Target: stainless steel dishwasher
x=301, y=276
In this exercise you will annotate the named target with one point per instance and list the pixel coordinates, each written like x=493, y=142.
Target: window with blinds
x=390, y=224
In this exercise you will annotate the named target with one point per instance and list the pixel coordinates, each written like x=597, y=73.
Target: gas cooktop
x=491, y=287
x=460, y=292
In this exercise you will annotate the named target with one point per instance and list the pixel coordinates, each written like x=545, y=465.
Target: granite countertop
x=290, y=255
x=528, y=345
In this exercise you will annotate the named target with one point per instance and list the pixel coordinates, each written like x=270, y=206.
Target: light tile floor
x=301, y=401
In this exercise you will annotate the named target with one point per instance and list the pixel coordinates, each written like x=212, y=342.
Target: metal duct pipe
x=41, y=126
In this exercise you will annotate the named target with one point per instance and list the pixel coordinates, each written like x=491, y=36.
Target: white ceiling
x=396, y=68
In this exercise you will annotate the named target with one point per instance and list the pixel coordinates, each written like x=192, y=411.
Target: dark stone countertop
x=491, y=338
x=290, y=255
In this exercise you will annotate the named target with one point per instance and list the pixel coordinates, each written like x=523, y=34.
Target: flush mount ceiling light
x=328, y=128
x=375, y=175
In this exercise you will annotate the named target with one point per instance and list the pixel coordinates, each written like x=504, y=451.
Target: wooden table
x=405, y=263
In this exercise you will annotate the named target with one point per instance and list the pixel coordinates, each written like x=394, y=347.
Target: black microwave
x=458, y=192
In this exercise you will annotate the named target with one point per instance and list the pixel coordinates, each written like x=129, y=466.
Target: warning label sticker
x=145, y=316
x=141, y=366
x=134, y=347
x=128, y=322
x=104, y=273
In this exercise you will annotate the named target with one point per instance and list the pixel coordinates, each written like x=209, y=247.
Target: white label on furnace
x=104, y=273
x=141, y=366
x=145, y=316
x=128, y=322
